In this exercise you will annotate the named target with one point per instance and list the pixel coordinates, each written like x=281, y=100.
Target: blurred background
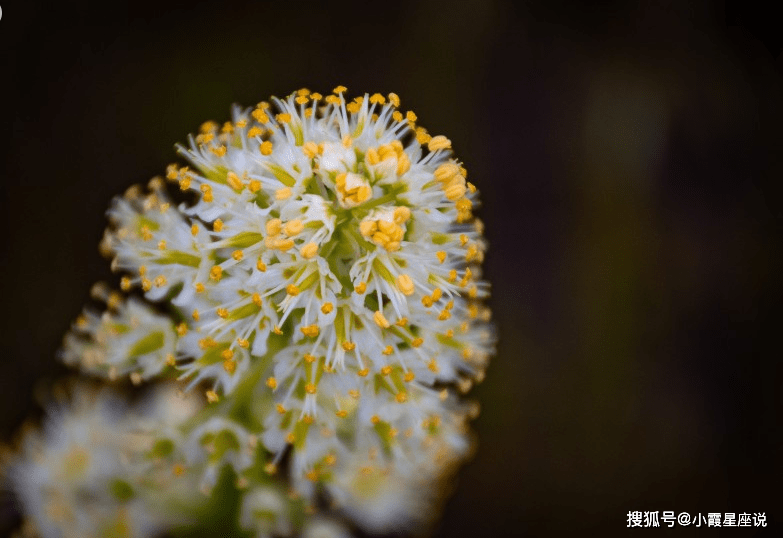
x=629, y=159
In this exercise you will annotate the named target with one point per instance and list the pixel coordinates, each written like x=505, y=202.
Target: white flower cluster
x=324, y=283
x=87, y=472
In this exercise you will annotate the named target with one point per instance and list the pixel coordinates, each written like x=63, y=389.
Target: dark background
x=629, y=159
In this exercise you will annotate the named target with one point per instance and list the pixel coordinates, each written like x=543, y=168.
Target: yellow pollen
x=463, y=239
x=310, y=330
x=312, y=475
x=194, y=229
x=353, y=108
x=171, y=172
x=437, y=294
x=274, y=226
x=293, y=227
x=363, y=372
x=178, y=469
x=237, y=255
x=347, y=141
x=375, y=419
x=310, y=388
x=125, y=283
x=417, y=342
x=368, y=227
x=146, y=284
x=271, y=383
x=326, y=308
x=377, y=98
x=292, y=290
x=170, y=359
x=401, y=214
x=405, y=284
x=388, y=350
x=441, y=254
x=410, y=116
x=386, y=370
x=308, y=358
x=290, y=438
x=212, y=396
x=452, y=275
x=301, y=100
x=216, y=273
x=266, y=148
x=433, y=366
x=360, y=288
x=439, y=142
x=349, y=346
x=280, y=409
x=284, y=245
x=446, y=171
x=254, y=131
x=309, y=251
x=184, y=183
x=222, y=312
x=402, y=322
x=254, y=185
x=243, y=343
x=230, y=365
x=332, y=99
x=283, y=117
x=277, y=330
x=162, y=244
x=260, y=265
x=409, y=376
x=234, y=182
x=444, y=315
x=283, y=194
x=220, y=151
x=182, y=329
x=195, y=314
x=256, y=298
x=394, y=99
x=397, y=115
x=310, y=149
x=340, y=89
x=217, y=225
x=401, y=397
x=270, y=468
x=353, y=393
x=342, y=413
x=380, y=320
x=426, y=301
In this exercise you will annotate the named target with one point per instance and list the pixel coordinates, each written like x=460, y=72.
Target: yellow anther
x=417, y=342
x=353, y=393
x=310, y=388
x=172, y=172
x=455, y=191
x=326, y=308
x=184, y=183
x=444, y=315
x=409, y=376
x=241, y=342
x=452, y=275
x=380, y=320
x=401, y=397
x=237, y=255
x=125, y=283
x=194, y=229
x=311, y=330
x=377, y=98
x=227, y=354
x=405, y=284
x=217, y=225
x=271, y=382
x=220, y=151
x=254, y=186
x=309, y=359
x=274, y=226
x=363, y=372
x=375, y=419
x=349, y=346
x=145, y=233
x=433, y=365
x=397, y=115
x=401, y=214
x=386, y=370
x=292, y=290
x=270, y=468
x=388, y=350
x=312, y=475
x=280, y=409
x=309, y=250
x=162, y=244
x=216, y=273
x=410, y=116
x=402, y=322
x=353, y=108
x=340, y=89
x=394, y=99
x=301, y=100
x=403, y=164
x=256, y=298
x=260, y=265
x=347, y=141
x=332, y=99
x=439, y=142
x=360, y=288
x=293, y=227
x=208, y=196
x=441, y=254
x=146, y=284
x=266, y=148
x=426, y=301
x=342, y=413
x=195, y=314
x=372, y=157
x=437, y=294
x=290, y=438
x=368, y=227
x=212, y=396
x=283, y=117
x=182, y=329
x=254, y=131
x=222, y=312
x=234, y=182
x=422, y=136
x=283, y=194
x=310, y=149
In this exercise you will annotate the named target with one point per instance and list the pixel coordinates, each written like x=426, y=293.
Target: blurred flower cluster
x=318, y=297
